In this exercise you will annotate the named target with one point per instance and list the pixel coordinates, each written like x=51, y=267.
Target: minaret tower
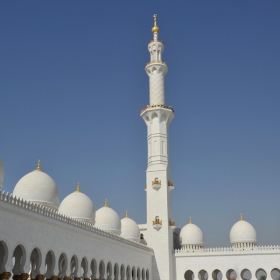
x=157, y=117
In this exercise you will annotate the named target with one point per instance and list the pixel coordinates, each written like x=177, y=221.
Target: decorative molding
x=157, y=106
x=229, y=250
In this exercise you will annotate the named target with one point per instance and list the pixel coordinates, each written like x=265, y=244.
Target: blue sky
x=73, y=84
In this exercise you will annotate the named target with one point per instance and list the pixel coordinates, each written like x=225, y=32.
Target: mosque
x=42, y=239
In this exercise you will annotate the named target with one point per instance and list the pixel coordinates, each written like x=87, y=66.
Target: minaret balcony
x=156, y=61
x=172, y=224
x=156, y=184
x=157, y=223
x=171, y=185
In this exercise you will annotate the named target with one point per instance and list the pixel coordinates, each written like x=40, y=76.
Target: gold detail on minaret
x=126, y=214
x=106, y=203
x=241, y=217
x=157, y=221
x=155, y=29
x=190, y=220
x=170, y=184
x=156, y=182
x=172, y=224
x=78, y=189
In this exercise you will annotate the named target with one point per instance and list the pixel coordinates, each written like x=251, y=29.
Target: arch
x=143, y=274
x=116, y=271
x=275, y=273
x=49, y=264
x=217, y=275
x=133, y=273
x=109, y=271
x=202, y=274
x=74, y=267
x=35, y=263
x=3, y=256
x=128, y=273
x=189, y=275
x=62, y=265
x=246, y=274
x=84, y=268
x=261, y=274
x=147, y=274
x=122, y=272
x=19, y=259
x=138, y=273
x=101, y=270
x=154, y=117
x=93, y=268
x=231, y=274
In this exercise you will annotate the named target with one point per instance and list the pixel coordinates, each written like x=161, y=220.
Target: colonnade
x=17, y=265
x=231, y=274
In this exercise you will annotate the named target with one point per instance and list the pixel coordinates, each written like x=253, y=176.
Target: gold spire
x=126, y=214
x=155, y=29
x=39, y=166
x=241, y=217
x=190, y=220
x=106, y=203
x=78, y=189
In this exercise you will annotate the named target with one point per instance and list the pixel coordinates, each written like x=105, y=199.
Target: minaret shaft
x=157, y=117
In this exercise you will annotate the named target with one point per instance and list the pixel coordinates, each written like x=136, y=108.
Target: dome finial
x=190, y=220
x=155, y=29
x=126, y=214
x=78, y=189
x=106, y=203
x=39, y=165
x=241, y=217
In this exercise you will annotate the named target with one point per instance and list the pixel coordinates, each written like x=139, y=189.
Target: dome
x=106, y=218
x=38, y=187
x=243, y=232
x=78, y=206
x=130, y=229
x=191, y=235
x=1, y=173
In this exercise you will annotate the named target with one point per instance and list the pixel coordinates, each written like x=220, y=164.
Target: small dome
x=106, y=218
x=1, y=173
x=243, y=232
x=79, y=206
x=130, y=229
x=191, y=235
x=38, y=187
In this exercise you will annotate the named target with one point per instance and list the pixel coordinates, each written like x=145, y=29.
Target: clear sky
x=72, y=84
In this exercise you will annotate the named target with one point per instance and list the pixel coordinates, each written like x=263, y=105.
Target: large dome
x=1, y=173
x=38, y=187
x=243, y=232
x=191, y=234
x=130, y=229
x=79, y=206
x=106, y=218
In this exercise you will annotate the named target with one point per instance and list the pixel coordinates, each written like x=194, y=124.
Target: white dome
x=1, y=173
x=191, y=235
x=79, y=206
x=130, y=229
x=243, y=232
x=106, y=218
x=38, y=187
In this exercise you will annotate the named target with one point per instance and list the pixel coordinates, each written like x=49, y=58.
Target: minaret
x=157, y=117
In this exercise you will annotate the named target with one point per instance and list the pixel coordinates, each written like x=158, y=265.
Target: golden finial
x=155, y=29
x=241, y=217
x=39, y=165
x=106, y=203
x=190, y=220
x=126, y=214
x=78, y=189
